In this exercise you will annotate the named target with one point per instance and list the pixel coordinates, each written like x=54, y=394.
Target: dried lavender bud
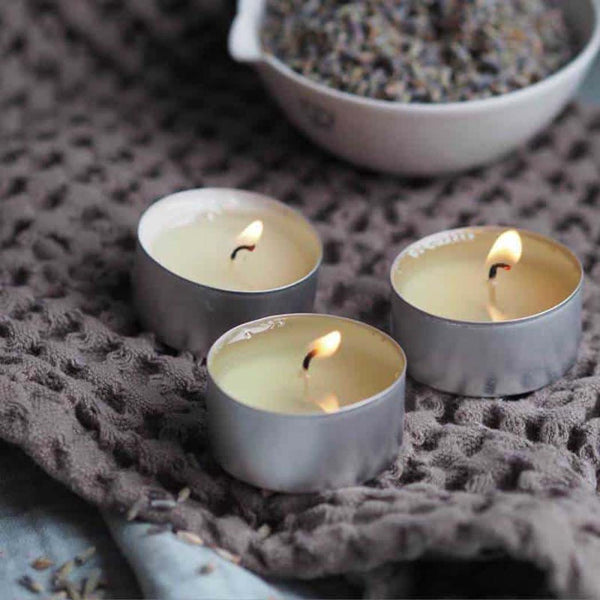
x=264, y=531
x=163, y=504
x=92, y=582
x=420, y=51
x=225, y=554
x=184, y=494
x=190, y=538
x=42, y=563
x=62, y=573
x=29, y=583
x=135, y=508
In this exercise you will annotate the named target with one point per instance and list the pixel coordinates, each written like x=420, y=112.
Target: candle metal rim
x=508, y=322
x=483, y=395
x=258, y=196
x=316, y=415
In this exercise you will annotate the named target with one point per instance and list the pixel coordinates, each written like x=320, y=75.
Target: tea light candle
x=209, y=259
x=302, y=403
x=487, y=311
x=248, y=248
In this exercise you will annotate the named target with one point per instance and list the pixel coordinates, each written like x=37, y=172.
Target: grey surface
x=38, y=512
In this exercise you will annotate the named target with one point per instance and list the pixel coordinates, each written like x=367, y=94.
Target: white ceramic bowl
x=417, y=139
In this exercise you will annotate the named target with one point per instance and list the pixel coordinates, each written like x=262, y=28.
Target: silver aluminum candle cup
x=487, y=359
x=188, y=315
x=301, y=453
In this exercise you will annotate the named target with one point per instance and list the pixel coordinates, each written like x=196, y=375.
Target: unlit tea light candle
x=305, y=402
x=209, y=259
x=487, y=311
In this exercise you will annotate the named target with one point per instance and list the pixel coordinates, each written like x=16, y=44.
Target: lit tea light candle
x=230, y=240
x=210, y=259
x=486, y=311
x=305, y=402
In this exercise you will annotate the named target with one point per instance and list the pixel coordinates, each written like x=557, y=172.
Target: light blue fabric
x=40, y=517
x=168, y=568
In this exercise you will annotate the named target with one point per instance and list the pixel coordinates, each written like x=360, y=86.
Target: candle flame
x=329, y=404
x=326, y=346
x=495, y=313
x=508, y=248
x=250, y=235
x=505, y=253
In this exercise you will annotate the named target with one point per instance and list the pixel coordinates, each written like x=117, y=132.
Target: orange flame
x=329, y=404
x=508, y=248
x=505, y=253
x=495, y=313
x=250, y=235
x=326, y=346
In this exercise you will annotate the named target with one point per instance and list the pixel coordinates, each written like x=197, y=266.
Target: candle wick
x=249, y=248
x=494, y=269
x=307, y=359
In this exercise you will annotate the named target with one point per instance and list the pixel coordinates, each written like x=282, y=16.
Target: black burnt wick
x=494, y=269
x=249, y=248
x=307, y=359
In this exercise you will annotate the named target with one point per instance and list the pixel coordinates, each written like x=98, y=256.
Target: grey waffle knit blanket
x=107, y=105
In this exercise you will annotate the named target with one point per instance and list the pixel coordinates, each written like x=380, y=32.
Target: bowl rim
x=396, y=294
x=577, y=63
x=219, y=343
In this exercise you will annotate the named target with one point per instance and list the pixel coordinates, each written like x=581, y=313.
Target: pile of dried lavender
x=419, y=50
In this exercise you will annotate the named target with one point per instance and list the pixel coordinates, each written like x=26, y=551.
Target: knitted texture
x=106, y=106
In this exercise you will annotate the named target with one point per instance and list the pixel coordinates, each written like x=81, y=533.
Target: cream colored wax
x=196, y=237
x=261, y=364
x=447, y=275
